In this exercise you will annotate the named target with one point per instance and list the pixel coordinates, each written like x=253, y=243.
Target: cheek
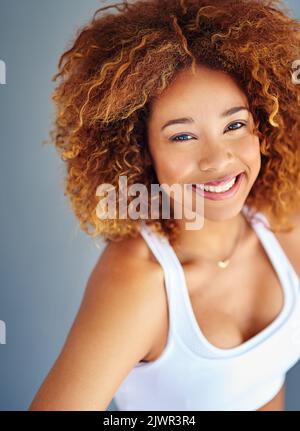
x=172, y=168
x=250, y=153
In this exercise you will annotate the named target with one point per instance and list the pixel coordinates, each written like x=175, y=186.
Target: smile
x=224, y=191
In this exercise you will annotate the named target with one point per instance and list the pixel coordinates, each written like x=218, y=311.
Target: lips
x=224, y=195
x=222, y=180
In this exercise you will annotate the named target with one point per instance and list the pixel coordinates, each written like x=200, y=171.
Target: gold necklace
x=225, y=262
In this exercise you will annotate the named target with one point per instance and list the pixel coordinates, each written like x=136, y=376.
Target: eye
x=236, y=122
x=176, y=138
x=179, y=136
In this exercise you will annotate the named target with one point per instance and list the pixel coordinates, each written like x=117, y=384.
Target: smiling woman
x=196, y=93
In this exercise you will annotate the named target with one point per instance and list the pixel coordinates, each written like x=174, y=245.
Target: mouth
x=219, y=192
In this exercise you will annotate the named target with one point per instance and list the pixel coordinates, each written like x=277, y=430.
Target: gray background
x=45, y=258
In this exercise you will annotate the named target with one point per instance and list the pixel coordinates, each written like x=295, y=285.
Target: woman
x=183, y=92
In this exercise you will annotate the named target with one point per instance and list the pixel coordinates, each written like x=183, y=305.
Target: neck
x=214, y=241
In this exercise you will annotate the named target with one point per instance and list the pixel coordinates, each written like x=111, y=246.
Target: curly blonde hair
x=120, y=61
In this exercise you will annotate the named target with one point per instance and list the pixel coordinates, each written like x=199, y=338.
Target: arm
x=113, y=330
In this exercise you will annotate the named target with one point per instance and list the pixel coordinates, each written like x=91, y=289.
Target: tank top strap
x=273, y=247
x=159, y=247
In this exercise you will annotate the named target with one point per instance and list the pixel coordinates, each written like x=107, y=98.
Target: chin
x=223, y=213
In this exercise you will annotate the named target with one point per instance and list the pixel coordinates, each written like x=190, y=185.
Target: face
x=209, y=145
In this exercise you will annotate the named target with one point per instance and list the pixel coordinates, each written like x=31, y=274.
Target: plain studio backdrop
x=45, y=257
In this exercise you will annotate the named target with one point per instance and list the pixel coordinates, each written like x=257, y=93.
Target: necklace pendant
x=223, y=263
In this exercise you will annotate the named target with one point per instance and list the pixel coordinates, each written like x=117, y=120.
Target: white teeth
x=218, y=189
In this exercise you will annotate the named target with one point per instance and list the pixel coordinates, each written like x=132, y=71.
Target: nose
x=214, y=157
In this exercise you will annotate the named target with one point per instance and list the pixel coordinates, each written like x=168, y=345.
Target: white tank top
x=193, y=374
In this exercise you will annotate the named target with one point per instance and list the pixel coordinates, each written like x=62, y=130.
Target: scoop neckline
x=251, y=342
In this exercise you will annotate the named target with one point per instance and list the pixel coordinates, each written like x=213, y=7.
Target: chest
x=233, y=305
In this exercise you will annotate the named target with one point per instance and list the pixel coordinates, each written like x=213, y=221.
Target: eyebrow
x=188, y=120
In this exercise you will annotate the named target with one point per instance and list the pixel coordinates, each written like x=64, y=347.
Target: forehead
x=206, y=91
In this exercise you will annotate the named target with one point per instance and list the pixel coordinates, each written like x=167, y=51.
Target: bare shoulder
x=133, y=249
x=127, y=263
x=290, y=242
x=115, y=327
x=128, y=272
